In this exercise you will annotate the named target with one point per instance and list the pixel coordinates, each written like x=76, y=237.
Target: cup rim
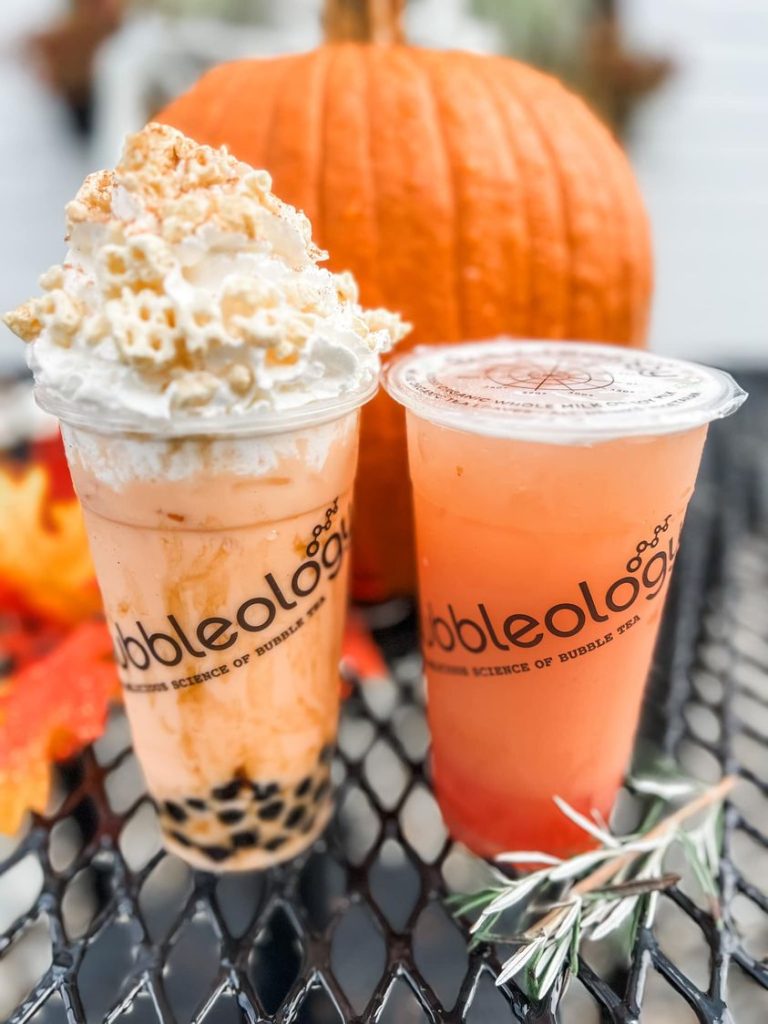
x=259, y=423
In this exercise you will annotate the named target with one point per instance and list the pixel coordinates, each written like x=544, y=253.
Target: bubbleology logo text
x=480, y=630
x=324, y=559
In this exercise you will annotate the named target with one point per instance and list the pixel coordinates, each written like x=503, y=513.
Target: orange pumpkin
x=471, y=193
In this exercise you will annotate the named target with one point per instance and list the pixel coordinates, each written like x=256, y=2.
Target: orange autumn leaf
x=360, y=653
x=24, y=634
x=48, y=711
x=44, y=553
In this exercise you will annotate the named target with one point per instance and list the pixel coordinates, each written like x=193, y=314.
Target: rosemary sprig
x=593, y=894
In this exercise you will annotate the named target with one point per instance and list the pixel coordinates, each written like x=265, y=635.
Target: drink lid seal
x=559, y=392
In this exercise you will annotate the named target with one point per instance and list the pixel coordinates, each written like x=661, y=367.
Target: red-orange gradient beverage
x=539, y=618
x=543, y=568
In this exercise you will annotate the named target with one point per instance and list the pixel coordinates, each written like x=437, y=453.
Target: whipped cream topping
x=191, y=293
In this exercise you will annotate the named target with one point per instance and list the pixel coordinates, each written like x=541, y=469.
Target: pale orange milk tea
x=550, y=484
x=208, y=375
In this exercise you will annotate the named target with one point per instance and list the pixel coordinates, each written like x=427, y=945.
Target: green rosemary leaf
x=518, y=891
x=463, y=904
x=666, y=789
x=651, y=865
x=635, y=921
x=649, y=762
x=569, y=918
x=579, y=865
x=548, y=966
x=573, y=953
x=654, y=813
x=586, y=823
x=596, y=914
x=484, y=932
x=613, y=921
x=520, y=959
x=527, y=857
x=697, y=864
x=712, y=830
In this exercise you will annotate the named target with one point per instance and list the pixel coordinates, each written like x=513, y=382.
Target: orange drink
x=223, y=566
x=550, y=484
x=208, y=375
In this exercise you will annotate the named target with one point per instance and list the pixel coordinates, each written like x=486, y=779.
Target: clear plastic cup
x=550, y=484
x=222, y=555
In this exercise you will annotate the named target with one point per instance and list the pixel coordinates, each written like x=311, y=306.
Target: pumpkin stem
x=364, y=21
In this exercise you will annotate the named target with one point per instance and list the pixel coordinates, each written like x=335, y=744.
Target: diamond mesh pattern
x=97, y=923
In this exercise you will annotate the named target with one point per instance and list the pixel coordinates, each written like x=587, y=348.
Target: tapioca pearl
x=275, y=843
x=264, y=790
x=322, y=790
x=304, y=786
x=180, y=838
x=241, y=840
x=196, y=803
x=228, y=791
x=175, y=811
x=269, y=812
x=216, y=853
x=231, y=817
x=295, y=816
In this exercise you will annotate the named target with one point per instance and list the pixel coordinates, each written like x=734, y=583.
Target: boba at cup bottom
x=252, y=858
x=242, y=824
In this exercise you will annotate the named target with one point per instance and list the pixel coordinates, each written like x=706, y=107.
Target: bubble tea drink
x=209, y=375
x=550, y=485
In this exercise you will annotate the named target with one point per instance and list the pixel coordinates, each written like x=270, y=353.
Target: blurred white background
x=42, y=165
x=700, y=146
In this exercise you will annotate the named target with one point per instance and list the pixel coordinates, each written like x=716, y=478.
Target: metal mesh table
x=98, y=924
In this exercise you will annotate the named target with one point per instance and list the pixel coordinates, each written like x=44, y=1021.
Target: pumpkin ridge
x=600, y=143
x=644, y=280
x=601, y=159
x=430, y=214
x=548, y=283
x=367, y=66
x=602, y=150
x=513, y=81
x=347, y=182
x=583, y=193
x=636, y=285
x=490, y=81
x=325, y=63
x=430, y=65
x=289, y=68
x=283, y=70
x=488, y=243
